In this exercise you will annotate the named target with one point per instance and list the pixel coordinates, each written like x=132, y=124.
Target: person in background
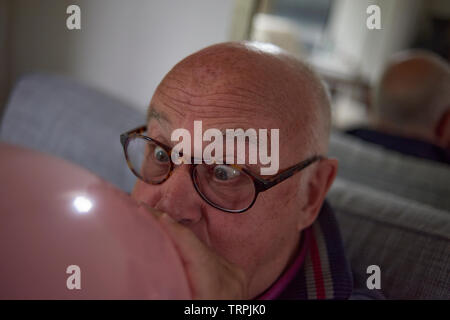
x=410, y=112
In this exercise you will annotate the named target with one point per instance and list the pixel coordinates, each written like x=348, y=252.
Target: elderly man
x=241, y=234
x=411, y=107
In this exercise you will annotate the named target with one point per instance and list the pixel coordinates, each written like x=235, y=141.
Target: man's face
x=261, y=240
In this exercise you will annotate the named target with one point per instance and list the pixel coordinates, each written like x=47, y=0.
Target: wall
x=124, y=47
x=369, y=49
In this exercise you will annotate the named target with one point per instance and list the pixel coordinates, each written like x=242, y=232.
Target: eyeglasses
x=227, y=187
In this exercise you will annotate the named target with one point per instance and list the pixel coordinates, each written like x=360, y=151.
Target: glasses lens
x=148, y=161
x=224, y=186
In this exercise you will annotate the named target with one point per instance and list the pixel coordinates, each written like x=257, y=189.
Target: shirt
x=407, y=146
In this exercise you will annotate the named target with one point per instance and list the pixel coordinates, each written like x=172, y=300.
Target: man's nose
x=179, y=198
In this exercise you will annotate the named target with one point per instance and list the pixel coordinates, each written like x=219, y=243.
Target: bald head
x=260, y=80
x=243, y=86
x=413, y=91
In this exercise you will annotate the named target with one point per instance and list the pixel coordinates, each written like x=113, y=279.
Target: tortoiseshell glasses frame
x=260, y=184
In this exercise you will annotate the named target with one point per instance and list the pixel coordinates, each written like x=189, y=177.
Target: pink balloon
x=54, y=215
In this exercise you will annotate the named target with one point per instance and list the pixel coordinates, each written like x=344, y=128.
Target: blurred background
x=124, y=48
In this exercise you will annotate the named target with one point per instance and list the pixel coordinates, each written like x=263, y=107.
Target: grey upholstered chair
x=409, y=177
x=65, y=118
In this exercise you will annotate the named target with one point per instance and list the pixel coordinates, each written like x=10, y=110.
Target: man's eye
x=225, y=173
x=161, y=155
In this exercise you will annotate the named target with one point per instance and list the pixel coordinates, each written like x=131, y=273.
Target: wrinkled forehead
x=231, y=91
x=199, y=119
x=221, y=105
x=220, y=95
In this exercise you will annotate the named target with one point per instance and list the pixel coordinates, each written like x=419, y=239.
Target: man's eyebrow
x=153, y=114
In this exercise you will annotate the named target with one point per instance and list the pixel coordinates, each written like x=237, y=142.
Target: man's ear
x=316, y=189
x=442, y=130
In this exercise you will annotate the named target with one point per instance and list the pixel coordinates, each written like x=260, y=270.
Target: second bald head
x=413, y=91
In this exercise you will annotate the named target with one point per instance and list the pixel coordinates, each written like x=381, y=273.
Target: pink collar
x=281, y=283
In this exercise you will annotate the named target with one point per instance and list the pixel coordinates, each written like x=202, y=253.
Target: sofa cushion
x=409, y=177
x=62, y=117
x=409, y=241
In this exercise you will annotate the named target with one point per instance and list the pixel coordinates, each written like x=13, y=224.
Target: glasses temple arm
x=290, y=171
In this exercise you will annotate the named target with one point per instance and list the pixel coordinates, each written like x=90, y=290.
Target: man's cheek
x=235, y=243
